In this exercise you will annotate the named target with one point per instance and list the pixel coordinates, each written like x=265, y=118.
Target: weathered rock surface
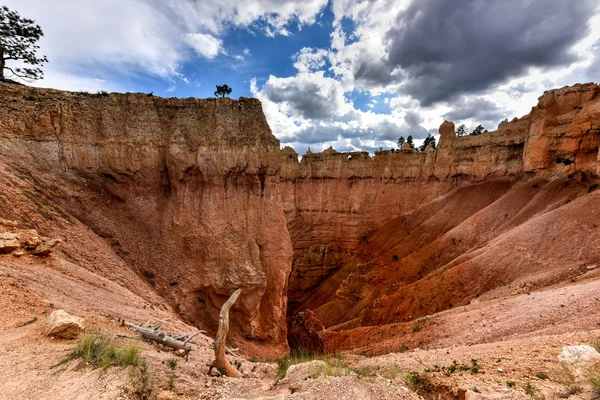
x=9, y=242
x=196, y=197
x=367, y=253
x=185, y=191
x=579, y=359
x=298, y=373
x=64, y=326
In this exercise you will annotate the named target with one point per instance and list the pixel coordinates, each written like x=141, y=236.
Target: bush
x=418, y=382
x=101, y=351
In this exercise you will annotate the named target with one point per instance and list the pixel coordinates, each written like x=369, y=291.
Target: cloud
x=87, y=38
x=448, y=47
x=205, y=44
x=478, y=109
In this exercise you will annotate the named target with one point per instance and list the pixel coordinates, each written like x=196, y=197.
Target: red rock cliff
x=186, y=191
x=366, y=230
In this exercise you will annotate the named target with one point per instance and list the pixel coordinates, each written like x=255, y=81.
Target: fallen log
x=162, y=337
x=221, y=363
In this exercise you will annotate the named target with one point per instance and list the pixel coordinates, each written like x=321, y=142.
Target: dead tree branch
x=151, y=333
x=221, y=363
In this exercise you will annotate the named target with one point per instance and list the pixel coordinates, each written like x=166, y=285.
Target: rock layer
x=185, y=190
x=373, y=235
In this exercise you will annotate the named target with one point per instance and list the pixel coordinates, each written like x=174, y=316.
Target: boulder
x=8, y=223
x=63, y=325
x=579, y=359
x=9, y=242
x=298, y=373
x=45, y=248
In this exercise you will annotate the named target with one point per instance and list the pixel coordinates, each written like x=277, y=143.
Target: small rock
x=578, y=359
x=19, y=253
x=9, y=242
x=181, y=352
x=45, y=248
x=63, y=325
x=591, y=267
x=8, y=223
x=32, y=242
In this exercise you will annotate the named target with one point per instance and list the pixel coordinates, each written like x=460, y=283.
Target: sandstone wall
x=332, y=200
x=186, y=189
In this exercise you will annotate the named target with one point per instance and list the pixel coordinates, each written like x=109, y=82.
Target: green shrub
x=101, y=351
x=418, y=382
x=541, y=375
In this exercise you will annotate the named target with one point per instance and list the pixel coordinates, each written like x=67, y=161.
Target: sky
x=352, y=74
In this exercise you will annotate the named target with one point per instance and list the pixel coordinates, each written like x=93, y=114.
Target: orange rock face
x=196, y=197
x=186, y=191
x=398, y=236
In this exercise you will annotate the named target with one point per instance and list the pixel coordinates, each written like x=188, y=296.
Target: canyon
x=166, y=206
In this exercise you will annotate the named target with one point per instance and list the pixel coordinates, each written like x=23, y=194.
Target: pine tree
x=478, y=130
x=223, y=90
x=18, y=38
x=462, y=130
x=409, y=140
x=400, y=142
x=429, y=140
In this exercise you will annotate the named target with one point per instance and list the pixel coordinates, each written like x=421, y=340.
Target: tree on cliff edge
x=400, y=142
x=223, y=90
x=18, y=38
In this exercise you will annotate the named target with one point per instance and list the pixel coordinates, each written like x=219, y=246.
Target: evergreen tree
x=400, y=142
x=429, y=140
x=223, y=90
x=462, y=130
x=18, y=38
x=478, y=130
x=409, y=140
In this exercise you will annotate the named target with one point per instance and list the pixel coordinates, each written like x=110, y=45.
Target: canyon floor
x=523, y=366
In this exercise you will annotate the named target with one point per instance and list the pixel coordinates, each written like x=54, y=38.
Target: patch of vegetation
x=172, y=363
x=511, y=384
x=595, y=343
x=418, y=382
x=572, y=390
x=171, y=382
x=393, y=372
x=141, y=381
x=455, y=366
x=334, y=365
x=102, y=93
x=541, y=375
x=529, y=389
x=31, y=321
x=418, y=325
x=101, y=351
x=594, y=378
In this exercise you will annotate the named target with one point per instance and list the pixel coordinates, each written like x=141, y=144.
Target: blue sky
x=352, y=74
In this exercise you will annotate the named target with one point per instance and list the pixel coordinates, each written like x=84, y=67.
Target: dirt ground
x=32, y=287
